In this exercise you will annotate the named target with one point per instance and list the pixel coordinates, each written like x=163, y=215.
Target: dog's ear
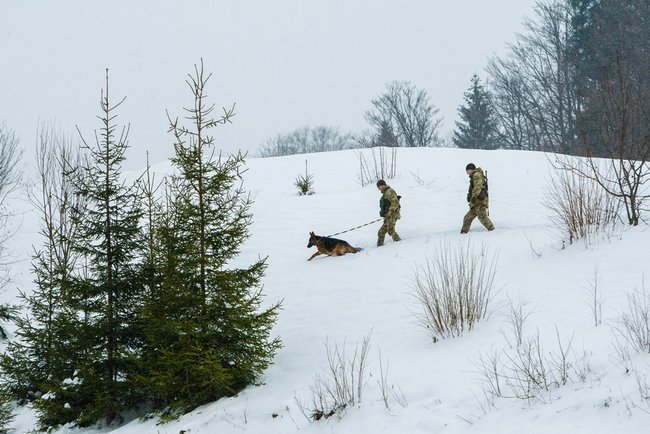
x=311, y=233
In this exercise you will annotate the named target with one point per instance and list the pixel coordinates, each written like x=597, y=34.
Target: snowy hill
x=335, y=302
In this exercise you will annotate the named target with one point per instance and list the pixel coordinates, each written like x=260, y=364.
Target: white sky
x=285, y=63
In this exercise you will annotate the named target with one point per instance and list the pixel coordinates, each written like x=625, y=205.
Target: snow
x=338, y=301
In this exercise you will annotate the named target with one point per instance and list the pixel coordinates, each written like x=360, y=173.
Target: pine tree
x=6, y=411
x=477, y=127
x=39, y=358
x=386, y=136
x=207, y=332
x=102, y=293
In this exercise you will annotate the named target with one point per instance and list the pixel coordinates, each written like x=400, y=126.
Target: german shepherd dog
x=330, y=246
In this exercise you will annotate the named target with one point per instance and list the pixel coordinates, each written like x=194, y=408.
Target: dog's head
x=312, y=240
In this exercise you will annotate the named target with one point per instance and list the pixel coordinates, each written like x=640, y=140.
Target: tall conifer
x=477, y=126
x=213, y=337
x=40, y=358
x=105, y=288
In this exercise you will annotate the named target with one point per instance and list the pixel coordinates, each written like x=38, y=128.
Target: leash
x=349, y=230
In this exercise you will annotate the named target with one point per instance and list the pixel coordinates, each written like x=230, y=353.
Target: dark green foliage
x=135, y=306
x=39, y=359
x=6, y=411
x=477, y=127
x=206, y=335
x=108, y=241
x=76, y=348
x=614, y=70
x=305, y=183
x=7, y=314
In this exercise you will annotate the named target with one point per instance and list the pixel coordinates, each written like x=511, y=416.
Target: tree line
x=136, y=307
x=574, y=82
x=402, y=116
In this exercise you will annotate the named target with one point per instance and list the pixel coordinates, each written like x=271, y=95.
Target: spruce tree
x=477, y=127
x=101, y=293
x=39, y=358
x=6, y=411
x=386, y=136
x=210, y=337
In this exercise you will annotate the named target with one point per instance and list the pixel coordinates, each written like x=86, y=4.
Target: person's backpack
x=484, y=191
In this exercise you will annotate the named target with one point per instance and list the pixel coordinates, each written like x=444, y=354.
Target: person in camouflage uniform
x=477, y=196
x=388, y=209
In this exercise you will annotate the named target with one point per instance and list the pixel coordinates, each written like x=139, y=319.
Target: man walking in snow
x=389, y=210
x=477, y=196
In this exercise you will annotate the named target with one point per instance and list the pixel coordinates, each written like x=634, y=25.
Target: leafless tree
x=305, y=140
x=617, y=128
x=406, y=112
x=57, y=161
x=596, y=299
x=10, y=177
x=534, y=87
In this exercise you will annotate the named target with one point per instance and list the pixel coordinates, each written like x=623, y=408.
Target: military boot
x=380, y=242
x=396, y=238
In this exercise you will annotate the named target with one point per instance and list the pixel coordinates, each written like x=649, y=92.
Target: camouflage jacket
x=389, y=202
x=478, y=192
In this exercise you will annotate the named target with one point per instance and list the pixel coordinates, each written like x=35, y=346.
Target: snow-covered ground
x=336, y=302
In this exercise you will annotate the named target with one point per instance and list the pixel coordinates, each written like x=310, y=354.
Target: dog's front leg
x=314, y=255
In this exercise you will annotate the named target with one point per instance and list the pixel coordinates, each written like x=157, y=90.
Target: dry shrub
x=633, y=325
x=342, y=385
x=529, y=371
x=377, y=166
x=454, y=289
x=579, y=207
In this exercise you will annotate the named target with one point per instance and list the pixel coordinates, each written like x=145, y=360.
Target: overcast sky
x=284, y=63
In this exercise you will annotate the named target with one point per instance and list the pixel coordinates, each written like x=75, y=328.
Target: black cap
x=381, y=182
x=470, y=166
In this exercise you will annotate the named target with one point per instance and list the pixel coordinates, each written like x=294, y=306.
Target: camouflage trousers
x=479, y=211
x=387, y=228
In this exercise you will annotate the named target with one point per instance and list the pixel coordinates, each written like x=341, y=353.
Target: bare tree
x=305, y=140
x=515, y=126
x=407, y=112
x=534, y=87
x=617, y=127
x=9, y=182
x=57, y=160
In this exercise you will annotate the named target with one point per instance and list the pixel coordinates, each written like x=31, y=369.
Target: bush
x=529, y=371
x=305, y=183
x=379, y=167
x=454, y=289
x=343, y=383
x=579, y=207
x=633, y=325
